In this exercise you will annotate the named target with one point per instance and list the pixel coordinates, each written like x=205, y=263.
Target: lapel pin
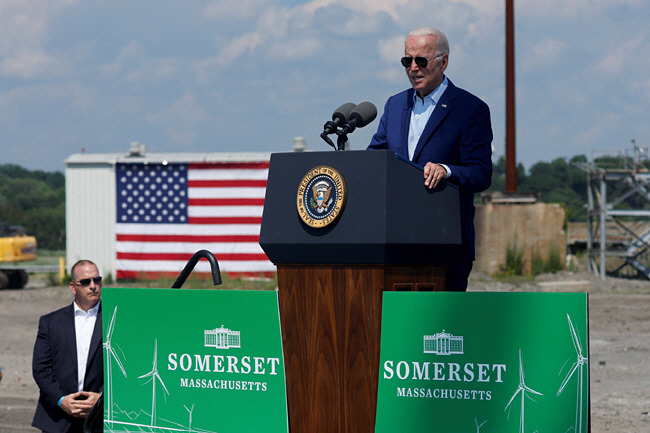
x=444, y=105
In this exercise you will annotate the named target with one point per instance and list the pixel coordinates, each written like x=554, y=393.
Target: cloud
x=240, y=10
x=29, y=63
x=295, y=50
x=542, y=55
x=567, y=9
x=617, y=61
x=391, y=49
x=22, y=24
x=24, y=27
x=128, y=54
x=180, y=120
x=602, y=125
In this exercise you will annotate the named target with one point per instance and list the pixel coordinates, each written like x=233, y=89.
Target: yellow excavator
x=15, y=247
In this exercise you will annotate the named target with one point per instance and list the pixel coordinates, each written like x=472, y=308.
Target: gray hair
x=442, y=44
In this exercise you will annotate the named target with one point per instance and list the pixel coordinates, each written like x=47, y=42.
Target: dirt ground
x=619, y=320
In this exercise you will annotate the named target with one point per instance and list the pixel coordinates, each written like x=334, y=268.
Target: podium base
x=331, y=329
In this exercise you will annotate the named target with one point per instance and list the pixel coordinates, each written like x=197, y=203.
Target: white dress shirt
x=84, y=324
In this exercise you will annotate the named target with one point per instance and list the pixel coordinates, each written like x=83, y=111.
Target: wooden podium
x=393, y=234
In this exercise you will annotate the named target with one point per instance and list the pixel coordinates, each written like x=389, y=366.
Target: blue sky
x=249, y=75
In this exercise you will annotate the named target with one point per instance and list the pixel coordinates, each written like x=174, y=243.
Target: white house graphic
x=443, y=343
x=222, y=338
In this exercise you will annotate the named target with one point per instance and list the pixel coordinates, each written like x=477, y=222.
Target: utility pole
x=511, y=158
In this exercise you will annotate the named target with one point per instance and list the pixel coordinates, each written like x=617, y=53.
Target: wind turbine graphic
x=523, y=389
x=577, y=365
x=110, y=353
x=153, y=374
x=190, y=410
x=478, y=426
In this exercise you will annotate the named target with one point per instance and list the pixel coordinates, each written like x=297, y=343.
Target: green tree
x=48, y=225
x=558, y=181
x=35, y=200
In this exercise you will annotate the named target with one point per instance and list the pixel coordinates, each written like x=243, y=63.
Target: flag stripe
x=185, y=257
x=226, y=202
x=190, y=230
x=189, y=248
x=226, y=183
x=225, y=211
x=226, y=220
x=176, y=266
x=186, y=238
x=153, y=275
x=227, y=192
x=229, y=165
x=232, y=174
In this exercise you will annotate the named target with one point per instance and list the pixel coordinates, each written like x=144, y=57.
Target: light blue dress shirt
x=422, y=109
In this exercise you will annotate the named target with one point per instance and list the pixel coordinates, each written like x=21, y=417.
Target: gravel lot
x=619, y=320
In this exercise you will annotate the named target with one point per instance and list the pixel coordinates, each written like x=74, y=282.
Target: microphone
x=339, y=117
x=360, y=116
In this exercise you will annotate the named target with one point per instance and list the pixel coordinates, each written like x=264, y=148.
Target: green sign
x=193, y=361
x=483, y=362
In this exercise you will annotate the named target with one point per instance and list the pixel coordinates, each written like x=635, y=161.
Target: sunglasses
x=422, y=62
x=86, y=281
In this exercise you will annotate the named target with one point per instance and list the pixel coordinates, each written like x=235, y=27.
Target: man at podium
x=444, y=129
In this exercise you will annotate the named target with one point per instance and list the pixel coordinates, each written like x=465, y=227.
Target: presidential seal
x=321, y=196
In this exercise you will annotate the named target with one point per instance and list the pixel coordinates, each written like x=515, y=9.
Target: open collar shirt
x=422, y=109
x=84, y=324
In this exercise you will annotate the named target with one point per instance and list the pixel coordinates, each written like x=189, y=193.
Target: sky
x=250, y=75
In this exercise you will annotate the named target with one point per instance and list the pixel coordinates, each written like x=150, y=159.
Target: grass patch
x=551, y=265
x=47, y=257
x=554, y=262
x=514, y=263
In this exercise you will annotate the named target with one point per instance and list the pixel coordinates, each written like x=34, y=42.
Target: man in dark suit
x=68, y=364
x=444, y=129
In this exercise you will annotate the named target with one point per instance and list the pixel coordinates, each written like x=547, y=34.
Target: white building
x=222, y=338
x=443, y=343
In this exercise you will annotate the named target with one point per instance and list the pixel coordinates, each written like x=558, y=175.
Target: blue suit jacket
x=54, y=367
x=458, y=134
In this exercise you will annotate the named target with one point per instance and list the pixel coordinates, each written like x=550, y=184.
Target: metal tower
x=618, y=221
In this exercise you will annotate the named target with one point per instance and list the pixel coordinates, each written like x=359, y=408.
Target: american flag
x=167, y=212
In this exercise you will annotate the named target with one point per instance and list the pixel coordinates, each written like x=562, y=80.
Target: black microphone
x=339, y=117
x=362, y=115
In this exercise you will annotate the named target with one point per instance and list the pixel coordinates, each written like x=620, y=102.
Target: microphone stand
x=340, y=142
x=327, y=140
x=342, y=139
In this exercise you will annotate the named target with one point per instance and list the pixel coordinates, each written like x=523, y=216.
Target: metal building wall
x=90, y=214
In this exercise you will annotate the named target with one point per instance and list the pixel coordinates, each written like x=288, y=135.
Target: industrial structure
x=618, y=222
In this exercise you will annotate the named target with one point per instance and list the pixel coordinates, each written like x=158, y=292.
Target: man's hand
x=432, y=174
x=79, y=404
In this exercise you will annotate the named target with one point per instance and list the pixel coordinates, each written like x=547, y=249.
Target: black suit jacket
x=54, y=367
